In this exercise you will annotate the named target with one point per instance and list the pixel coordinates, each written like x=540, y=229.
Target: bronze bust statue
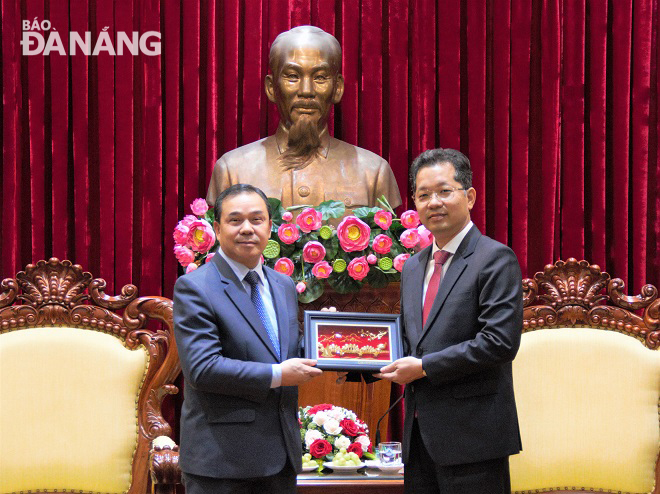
x=302, y=163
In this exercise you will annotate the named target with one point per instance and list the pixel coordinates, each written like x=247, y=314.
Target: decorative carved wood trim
x=164, y=468
x=59, y=293
x=576, y=293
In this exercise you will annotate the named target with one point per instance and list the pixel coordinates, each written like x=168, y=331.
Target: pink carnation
x=322, y=269
x=191, y=267
x=383, y=219
x=309, y=220
x=201, y=236
x=400, y=260
x=358, y=268
x=313, y=252
x=372, y=259
x=410, y=219
x=382, y=244
x=425, y=236
x=287, y=216
x=410, y=238
x=181, y=233
x=301, y=287
x=353, y=234
x=199, y=206
x=288, y=233
x=284, y=265
x=184, y=255
x=209, y=256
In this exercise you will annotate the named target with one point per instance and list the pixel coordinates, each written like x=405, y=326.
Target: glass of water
x=389, y=453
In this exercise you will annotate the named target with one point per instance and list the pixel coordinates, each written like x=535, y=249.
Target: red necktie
x=440, y=258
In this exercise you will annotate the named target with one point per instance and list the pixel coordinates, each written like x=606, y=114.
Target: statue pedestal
x=368, y=401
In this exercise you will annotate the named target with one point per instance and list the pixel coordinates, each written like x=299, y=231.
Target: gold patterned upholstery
x=82, y=377
x=587, y=383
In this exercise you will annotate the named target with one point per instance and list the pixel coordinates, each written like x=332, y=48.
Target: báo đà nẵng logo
x=41, y=38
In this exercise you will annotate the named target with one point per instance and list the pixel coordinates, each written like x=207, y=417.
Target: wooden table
x=371, y=481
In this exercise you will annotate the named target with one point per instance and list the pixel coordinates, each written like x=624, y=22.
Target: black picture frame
x=352, y=341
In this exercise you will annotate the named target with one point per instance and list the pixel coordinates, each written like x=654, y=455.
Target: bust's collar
x=282, y=138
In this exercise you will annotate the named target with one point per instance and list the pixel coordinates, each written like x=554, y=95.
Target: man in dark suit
x=236, y=327
x=461, y=305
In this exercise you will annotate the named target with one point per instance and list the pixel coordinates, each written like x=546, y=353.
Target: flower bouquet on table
x=332, y=433
x=369, y=246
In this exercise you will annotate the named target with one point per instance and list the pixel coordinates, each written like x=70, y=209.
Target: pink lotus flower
x=188, y=220
x=287, y=216
x=184, y=255
x=382, y=244
x=209, y=256
x=309, y=220
x=288, y=233
x=400, y=260
x=301, y=287
x=181, y=233
x=191, y=267
x=358, y=268
x=284, y=265
x=425, y=236
x=322, y=269
x=410, y=219
x=410, y=238
x=353, y=234
x=383, y=219
x=372, y=259
x=313, y=252
x=199, y=206
x=201, y=236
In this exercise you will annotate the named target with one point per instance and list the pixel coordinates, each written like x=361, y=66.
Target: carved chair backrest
x=82, y=378
x=587, y=382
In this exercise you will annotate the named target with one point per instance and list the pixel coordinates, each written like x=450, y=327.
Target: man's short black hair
x=430, y=157
x=235, y=190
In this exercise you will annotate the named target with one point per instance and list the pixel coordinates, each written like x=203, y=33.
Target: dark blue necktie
x=253, y=279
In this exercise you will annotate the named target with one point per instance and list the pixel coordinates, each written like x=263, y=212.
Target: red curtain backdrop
x=554, y=101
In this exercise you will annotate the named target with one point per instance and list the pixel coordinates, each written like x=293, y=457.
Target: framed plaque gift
x=352, y=341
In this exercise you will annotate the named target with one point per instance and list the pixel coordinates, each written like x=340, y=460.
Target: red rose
x=320, y=448
x=355, y=448
x=319, y=408
x=350, y=427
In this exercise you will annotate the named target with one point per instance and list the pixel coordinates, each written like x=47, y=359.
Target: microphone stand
x=385, y=415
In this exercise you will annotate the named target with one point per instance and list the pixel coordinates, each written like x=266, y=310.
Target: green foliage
x=331, y=209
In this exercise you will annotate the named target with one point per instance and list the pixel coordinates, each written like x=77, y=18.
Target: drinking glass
x=389, y=453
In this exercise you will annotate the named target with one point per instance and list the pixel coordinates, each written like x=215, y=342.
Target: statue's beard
x=303, y=144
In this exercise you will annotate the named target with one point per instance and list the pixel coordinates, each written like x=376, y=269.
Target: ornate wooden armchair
x=587, y=382
x=82, y=378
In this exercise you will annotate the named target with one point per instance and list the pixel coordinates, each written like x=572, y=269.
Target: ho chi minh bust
x=302, y=163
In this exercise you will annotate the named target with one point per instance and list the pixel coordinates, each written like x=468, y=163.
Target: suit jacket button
x=420, y=351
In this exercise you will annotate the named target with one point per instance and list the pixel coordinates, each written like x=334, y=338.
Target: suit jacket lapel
x=279, y=302
x=416, y=285
x=241, y=299
x=454, y=272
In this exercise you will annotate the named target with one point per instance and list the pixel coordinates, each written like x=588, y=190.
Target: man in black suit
x=461, y=305
x=236, y=328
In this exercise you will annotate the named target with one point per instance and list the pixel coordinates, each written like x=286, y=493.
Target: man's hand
x=402, y=371
x=341, y=377
x=296, y=371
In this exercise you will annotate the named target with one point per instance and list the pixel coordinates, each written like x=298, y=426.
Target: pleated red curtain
x=554, y=101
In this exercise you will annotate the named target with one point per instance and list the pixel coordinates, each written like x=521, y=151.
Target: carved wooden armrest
x=164, y=465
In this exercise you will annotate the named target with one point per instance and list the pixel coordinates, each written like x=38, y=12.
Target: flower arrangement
x=326, y=429
x=369, y=246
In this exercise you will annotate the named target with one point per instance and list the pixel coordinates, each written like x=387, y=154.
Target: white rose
x=332, y=427
x=342, y=442
x=336, y=413
x=311, y=436
x=320, y=418
x=364, y=441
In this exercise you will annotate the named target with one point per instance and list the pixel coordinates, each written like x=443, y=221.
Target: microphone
x=385, y=415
